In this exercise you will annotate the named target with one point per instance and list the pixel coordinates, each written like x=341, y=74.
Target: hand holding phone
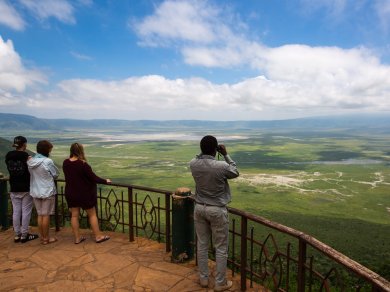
x=222, y=149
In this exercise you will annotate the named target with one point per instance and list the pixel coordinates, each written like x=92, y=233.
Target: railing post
x=301, y=265
x=182, y=225
x=244, y=235
x=131, y=223
x=100, y=218
x=168, y=221
x=56, y=218
x=3, y=203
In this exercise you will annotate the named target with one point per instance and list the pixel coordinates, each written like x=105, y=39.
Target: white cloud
x=142, y=93
x=292, y=79
x=235, y=52
x=205, y=35
x=156, y=97
x=7, y=99
x=80, y=56
x=383, y=10
x=10, y=17
x=295, y=76
x=189, y=21
x=85, y=2
x=335, y=8
x=14, y=76
x=339, y=10
x=44, y=9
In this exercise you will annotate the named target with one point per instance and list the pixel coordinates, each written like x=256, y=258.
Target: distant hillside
x=5, y=146
x=360, y=122
x=23, y=122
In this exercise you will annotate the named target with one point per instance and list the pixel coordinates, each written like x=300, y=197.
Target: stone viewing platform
x=115, y=265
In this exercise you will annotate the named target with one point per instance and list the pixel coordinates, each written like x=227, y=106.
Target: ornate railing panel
x=284, y=259
x=136, y=210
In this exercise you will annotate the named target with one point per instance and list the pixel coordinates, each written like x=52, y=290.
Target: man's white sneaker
x=227, y=286
x=204, y=282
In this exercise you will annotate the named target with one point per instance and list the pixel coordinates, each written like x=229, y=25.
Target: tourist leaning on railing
x=42, y=187
x=81, y=192
x=19, y=179
x=212, y=195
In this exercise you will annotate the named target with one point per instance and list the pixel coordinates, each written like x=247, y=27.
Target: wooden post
x=56, y=215
x=301, y=265
x=3, y=203
x=182, y=225
x=131, y=223
x=168, y=221
x=244, y=235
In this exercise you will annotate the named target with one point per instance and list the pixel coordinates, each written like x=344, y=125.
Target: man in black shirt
x=19, y=178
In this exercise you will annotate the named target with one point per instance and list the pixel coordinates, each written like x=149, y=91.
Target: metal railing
x=136, y=210
x=292, y=267
x=262, y=251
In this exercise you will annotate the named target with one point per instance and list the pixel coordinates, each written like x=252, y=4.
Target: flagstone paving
x=114, y=265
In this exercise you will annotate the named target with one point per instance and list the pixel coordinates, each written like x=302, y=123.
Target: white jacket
x=42, y=175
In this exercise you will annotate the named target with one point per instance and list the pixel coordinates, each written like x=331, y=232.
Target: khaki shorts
x=45, y=206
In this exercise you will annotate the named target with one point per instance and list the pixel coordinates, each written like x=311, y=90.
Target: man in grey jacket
x=212, y=194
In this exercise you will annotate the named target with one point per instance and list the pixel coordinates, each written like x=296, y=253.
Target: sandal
x=49, y=241
x=28, y=237
x=82, y=238
x=104, y=238
x=17, y=238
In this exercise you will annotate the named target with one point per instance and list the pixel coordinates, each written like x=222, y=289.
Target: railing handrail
x=342, y=259
x=142, y=188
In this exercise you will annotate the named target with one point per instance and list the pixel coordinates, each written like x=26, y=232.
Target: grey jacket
x=211, y=175
x=43, y=172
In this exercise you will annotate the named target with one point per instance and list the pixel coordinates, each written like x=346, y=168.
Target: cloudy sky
x=194, y=59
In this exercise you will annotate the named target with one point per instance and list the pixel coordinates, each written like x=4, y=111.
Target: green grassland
x=333, y=185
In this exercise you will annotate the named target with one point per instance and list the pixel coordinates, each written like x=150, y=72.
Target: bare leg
x=45, y=226
x=75, y=223
x=43, y=238
x=44, y=229
x=93, y=221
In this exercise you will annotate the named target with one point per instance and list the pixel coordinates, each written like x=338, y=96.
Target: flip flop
x=49, y=241
x=104, y=238
x=82, y=238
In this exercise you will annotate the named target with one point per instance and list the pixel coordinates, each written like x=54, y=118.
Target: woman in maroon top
x=81, y=191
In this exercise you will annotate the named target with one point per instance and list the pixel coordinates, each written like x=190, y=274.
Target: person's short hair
x=44, y=147
x=209, y=145
x=19, y=141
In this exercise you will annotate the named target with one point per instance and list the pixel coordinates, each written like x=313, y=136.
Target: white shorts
x=45, y=206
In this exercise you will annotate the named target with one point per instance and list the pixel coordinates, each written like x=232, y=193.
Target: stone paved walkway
x=114, y=265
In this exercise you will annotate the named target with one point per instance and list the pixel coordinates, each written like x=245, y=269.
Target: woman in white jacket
x=42, y=187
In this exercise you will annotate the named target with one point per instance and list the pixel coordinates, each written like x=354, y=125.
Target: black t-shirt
x=19, y=176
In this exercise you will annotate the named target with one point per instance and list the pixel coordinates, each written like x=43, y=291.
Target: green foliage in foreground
x=332, y=185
